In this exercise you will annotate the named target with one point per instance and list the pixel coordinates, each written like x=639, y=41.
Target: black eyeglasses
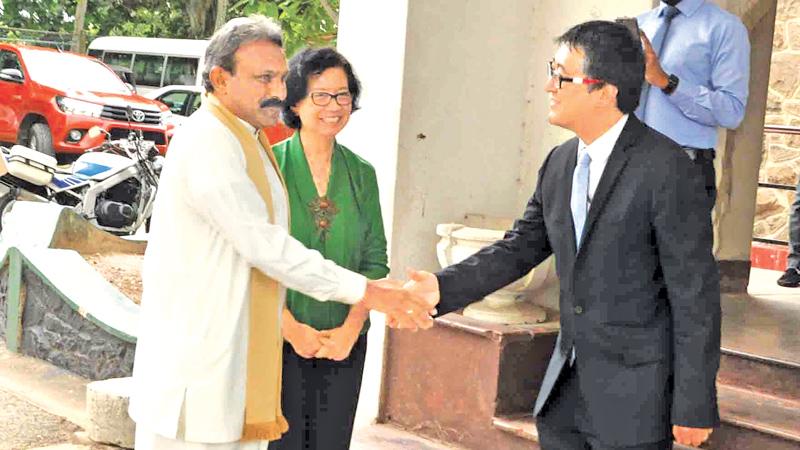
x=551, y=74
x=324, y=98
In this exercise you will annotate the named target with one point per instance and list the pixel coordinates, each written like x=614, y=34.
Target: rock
x=774, y=97
x=779, y=39
x=775, y=119
x=779, y=154
x=792, y=107
x=767, y=204
x=107, y=410
x=784, y=78
x=785, y=174
x=778, y=227
x=789, y=8
x=793, y=34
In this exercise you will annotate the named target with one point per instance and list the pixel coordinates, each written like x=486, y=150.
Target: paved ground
x=24, y=426
x=42, y=408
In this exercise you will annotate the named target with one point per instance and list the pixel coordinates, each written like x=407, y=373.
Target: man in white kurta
x=209, y=228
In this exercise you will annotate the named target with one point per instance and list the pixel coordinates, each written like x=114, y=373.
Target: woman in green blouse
x=333, y=196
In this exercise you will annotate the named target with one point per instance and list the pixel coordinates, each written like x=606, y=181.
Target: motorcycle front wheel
x=6, y=201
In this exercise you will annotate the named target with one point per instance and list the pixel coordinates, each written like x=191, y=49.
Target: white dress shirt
x=209, y=228
x=599, y=151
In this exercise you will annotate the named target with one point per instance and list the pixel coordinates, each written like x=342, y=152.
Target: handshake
x=407, y=305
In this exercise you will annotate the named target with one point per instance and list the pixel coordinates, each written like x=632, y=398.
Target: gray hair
x=235, y=33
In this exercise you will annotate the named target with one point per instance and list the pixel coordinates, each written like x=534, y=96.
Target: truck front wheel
x=40, y=139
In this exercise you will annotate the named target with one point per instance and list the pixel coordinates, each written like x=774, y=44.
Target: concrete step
x=750, y=420
x=766, y=414
x=767, y=375
x=520, y=425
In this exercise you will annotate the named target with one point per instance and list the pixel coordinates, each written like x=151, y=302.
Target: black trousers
x=319, y=399
x=704, y=161
x=562, y=424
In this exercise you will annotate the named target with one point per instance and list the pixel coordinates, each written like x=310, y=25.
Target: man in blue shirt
x=791, y=277
x=697, y=73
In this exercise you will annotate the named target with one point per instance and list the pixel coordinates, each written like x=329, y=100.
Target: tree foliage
x=305, y=22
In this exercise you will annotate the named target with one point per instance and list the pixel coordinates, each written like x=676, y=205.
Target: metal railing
x=777, y=129
x=55, y=39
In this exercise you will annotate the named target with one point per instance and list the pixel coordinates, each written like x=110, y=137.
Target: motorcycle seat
x=30, y=165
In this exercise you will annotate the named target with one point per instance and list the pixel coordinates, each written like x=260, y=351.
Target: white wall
x=372, y=37
x=453, y=115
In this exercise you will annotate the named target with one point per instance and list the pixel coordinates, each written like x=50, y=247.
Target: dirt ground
x=24, y=426
x=123, y=270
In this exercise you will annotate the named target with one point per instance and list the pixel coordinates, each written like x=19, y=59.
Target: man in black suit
x=638, y=350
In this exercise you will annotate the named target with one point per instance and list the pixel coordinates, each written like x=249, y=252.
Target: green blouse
x=345, y=226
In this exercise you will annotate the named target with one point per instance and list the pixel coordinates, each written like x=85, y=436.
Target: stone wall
x=3, y=301
x=56, y=333
x=781, y=159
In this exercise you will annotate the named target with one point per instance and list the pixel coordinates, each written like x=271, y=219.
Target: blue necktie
x=579, y=201
x=579, y=204
x=657, y=42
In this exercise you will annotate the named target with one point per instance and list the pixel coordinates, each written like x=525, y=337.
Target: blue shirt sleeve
x=723, y=103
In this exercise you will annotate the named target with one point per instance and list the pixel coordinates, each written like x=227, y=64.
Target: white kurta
x=209, y=227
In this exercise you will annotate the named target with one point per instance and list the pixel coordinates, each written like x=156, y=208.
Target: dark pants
x=563, y=425
x=794, y=231
x=704, y=161
x=319, y=399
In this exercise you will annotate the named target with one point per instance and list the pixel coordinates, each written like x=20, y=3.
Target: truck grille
x=119, y=113
x=156, y=136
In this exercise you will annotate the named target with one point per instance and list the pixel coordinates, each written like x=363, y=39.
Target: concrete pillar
x=740, y=151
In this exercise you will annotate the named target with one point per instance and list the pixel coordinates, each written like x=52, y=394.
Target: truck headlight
x=79, y=107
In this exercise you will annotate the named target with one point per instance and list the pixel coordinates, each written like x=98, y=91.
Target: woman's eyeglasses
x=324, y=98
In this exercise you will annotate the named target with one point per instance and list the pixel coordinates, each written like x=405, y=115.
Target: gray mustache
x=273, y=102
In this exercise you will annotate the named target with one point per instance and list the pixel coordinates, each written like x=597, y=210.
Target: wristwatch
x=672, y=84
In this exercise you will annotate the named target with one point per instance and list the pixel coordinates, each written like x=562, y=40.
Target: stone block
x=784, y=77
x=793, y=35
x=779, y=39
x=785, y=174
x=774, y=98
x=788, y=9
x=779, y=154
x=792, y=107
x=107, y=410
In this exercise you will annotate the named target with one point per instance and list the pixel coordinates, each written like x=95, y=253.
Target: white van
x=155, y=62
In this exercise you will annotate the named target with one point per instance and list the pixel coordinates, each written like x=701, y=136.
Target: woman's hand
x=305, y=341
x=338, y=342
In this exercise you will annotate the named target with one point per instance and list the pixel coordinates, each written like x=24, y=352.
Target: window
x=176, y=101
x=118, y=59
x=148, y=69
x=96, y=53
x=195, y=104
x=181, y=71
x=9, y=60
x=74, y=72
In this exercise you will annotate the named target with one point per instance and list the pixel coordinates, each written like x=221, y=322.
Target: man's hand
x=305, y=341
x=690, y=436
x=653, y=73
x=403, y=308
x=338, y=342
x=424, y=284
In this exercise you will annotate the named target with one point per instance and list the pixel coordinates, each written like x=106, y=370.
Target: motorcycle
x=113, y=186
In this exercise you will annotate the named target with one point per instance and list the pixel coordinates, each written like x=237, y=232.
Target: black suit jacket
x=639, y=301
